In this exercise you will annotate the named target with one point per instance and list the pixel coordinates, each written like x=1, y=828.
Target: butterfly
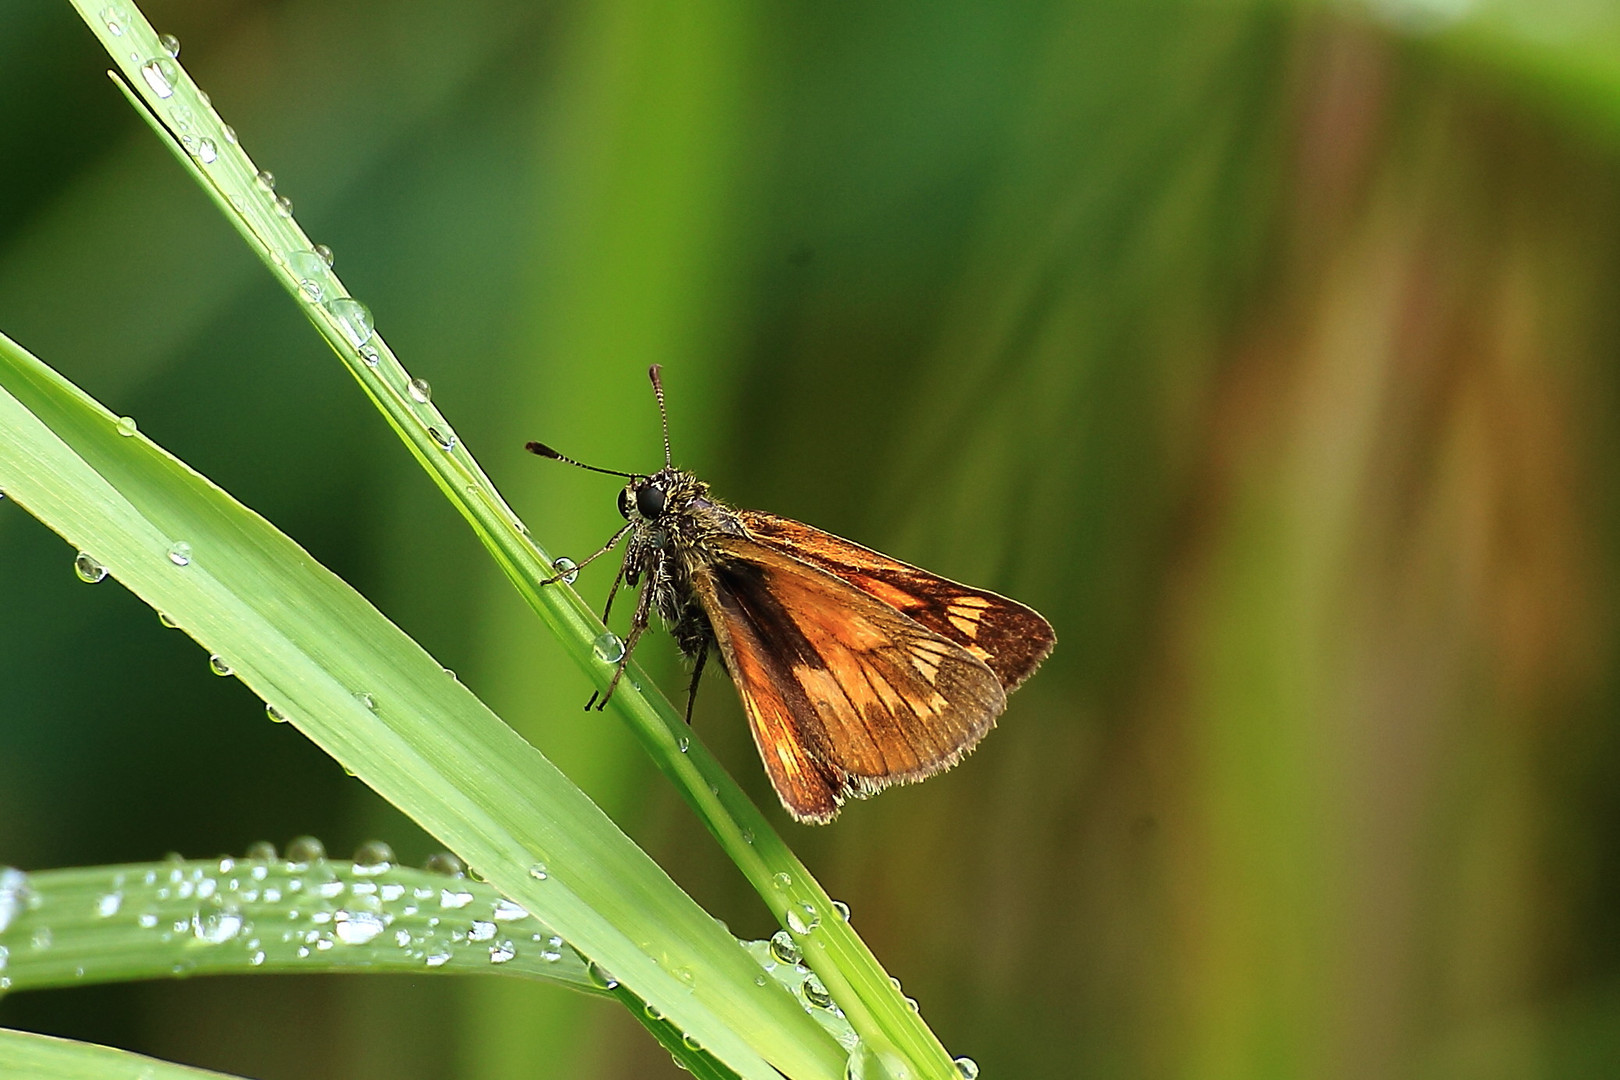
x=855, y=670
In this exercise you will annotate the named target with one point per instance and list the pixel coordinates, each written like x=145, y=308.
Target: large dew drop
x=609, y=647
x=357, y=927
x=352, y=317
x=803, y=918
x=88, y=569
x=160, y=74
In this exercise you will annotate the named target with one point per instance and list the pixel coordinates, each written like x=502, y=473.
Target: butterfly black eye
x=650, y=501
x=624, y=503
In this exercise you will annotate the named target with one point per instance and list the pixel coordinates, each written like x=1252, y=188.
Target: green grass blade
x=42, y=1057
x=247, y=916
x=361, y=689
x=850, y=971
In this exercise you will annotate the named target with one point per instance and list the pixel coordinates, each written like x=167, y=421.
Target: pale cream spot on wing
x=970, y=603
x=967, y=627
x=790, y=763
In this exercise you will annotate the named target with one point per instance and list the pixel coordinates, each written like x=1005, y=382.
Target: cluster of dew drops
x=314, y=908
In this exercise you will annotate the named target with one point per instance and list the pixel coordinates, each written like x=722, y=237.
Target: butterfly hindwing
x=844, y=693
x=1010, y=638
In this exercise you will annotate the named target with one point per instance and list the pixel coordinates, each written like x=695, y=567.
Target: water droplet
x=373, y=857
x=230, y=134
x=170, y=44
x=420, y=390
x=437, y=958
x=816, y=993
x=204, y=149
x=506, y=911
x=353, y=318
x=261, y=851
x=310, y=270
x=842, y=909
x=160, y=75
x=551, y=952
x=276, y=715
x=443, y=862
x=446, y=439
x=370, y=355
x=325, y=254
x=180, y=553
x=257, y=958
x=42, y=938
x=202, y=96
x=167, y=622
x=691, y=1043
x=566, y=569
x=114, y=16
x=966, y=1068
x=305, y=849
x=14, y=894
x=366, y=699
x=284, y=206
x=539, y=872
x=501, y=952
x=126, y=426
x=608, y=647
x=108, y=904
x=652, y=1012
x=356, y=927
x=454, y=901
x=683, y=744
x=85, y=565
x=911, y=1003
x=265, y=179
x=216, y=928
x=219, y=666
x=785, y=949
x=803, y=918
x=180, y=118
x=480, y=930
x=782, y=880
x=600, y=976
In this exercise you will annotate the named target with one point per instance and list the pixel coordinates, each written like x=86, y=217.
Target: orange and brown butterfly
x=856, y=670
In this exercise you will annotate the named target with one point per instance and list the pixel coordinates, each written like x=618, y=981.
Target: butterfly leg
x=603, y=550
x=638, y=623
x=697, y=673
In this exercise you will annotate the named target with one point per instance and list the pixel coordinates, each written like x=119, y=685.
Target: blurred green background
x=1269, y=349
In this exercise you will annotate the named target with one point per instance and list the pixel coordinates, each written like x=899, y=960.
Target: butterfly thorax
x=675, y=526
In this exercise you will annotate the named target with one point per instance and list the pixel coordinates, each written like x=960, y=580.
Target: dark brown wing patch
x=1009, y=637
x=844, y=694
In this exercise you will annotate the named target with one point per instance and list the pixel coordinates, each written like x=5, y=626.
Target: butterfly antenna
x=663, y=414
x=547, y=452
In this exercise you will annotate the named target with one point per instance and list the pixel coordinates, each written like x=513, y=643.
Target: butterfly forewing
x=1010, y=638
x=844, y=693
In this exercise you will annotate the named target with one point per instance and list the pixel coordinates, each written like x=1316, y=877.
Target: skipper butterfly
x=856, y=670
